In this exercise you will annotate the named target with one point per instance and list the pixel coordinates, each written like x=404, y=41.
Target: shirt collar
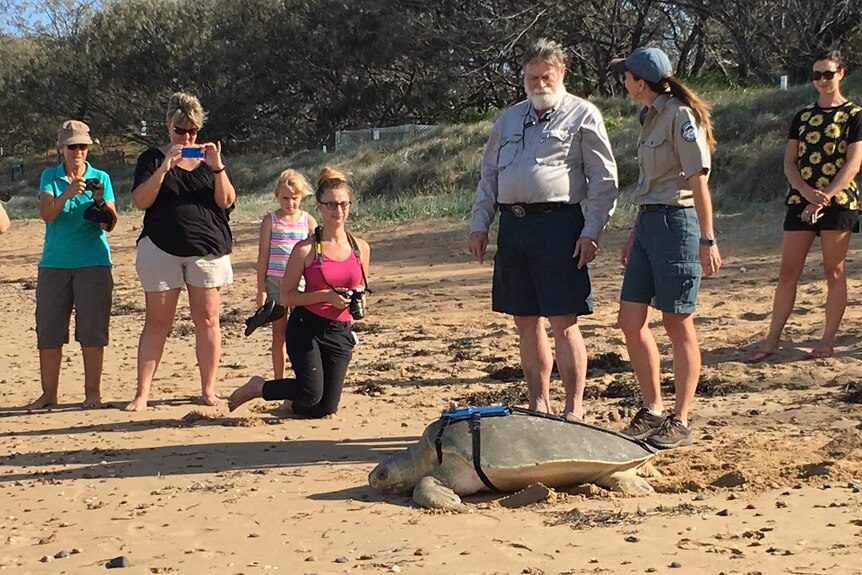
x=60, y=171
x=530, y=117
x=660, y=102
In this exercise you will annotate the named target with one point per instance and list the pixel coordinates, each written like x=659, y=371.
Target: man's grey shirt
x=563, y=156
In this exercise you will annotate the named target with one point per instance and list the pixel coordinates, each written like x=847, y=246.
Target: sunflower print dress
x=823, y=135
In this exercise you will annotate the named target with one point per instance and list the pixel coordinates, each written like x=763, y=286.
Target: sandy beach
x=773, y=484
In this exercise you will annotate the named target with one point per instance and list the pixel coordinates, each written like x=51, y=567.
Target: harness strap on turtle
x=537, y=414
x=438, y=439
x=475, y=431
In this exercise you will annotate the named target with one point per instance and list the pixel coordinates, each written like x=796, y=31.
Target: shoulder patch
x=688, y=131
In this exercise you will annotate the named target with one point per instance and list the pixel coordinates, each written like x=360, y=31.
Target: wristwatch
x=707, y=242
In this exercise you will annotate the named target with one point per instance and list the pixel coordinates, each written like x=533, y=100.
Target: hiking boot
x=644, y=424
x=671, y=434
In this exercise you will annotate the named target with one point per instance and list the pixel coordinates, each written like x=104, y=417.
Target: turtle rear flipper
x=626, y=482
x=432, y=494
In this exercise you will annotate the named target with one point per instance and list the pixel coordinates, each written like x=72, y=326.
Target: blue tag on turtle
x=460, y=413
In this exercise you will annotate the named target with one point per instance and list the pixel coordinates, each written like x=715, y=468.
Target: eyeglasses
x=826, y=75
x=183, y=131
x=77, y=147
x=332, y=206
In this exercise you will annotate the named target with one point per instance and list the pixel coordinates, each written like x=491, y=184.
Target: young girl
x=320, y=341
x=279, y=232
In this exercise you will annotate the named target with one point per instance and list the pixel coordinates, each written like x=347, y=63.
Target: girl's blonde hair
x=295, y=181
x=331, y=178
x=185, y=111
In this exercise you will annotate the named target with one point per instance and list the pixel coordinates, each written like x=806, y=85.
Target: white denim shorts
x=161, y=271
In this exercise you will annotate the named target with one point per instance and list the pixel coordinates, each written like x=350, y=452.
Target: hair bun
x=330, y=173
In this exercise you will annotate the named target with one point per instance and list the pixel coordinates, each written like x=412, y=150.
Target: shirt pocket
x=658, y=156
x=507, y=151
x=554, y=147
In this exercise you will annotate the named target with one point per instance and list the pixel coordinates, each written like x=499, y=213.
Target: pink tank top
x=345, y=274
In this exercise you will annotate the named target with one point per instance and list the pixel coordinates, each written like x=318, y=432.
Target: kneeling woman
x=319, y=340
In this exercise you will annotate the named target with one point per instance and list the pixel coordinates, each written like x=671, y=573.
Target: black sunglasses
x=77, y=146
x=827, y=75
x=183, y=131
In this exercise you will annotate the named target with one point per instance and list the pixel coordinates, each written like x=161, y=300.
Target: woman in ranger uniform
x=672, y=243
x=823, y=155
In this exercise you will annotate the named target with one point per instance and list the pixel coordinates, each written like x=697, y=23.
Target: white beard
x=547, y=100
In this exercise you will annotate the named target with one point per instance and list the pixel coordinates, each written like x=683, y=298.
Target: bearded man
x=549, y=169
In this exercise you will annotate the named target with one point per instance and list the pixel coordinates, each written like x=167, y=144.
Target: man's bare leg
x=537, y=361
x=571, y=352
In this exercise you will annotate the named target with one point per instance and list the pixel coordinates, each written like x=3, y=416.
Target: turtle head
x=395, y=474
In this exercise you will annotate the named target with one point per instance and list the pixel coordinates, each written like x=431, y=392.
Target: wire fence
x=346, y=138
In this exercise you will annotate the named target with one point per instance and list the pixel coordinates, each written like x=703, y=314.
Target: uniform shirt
x=184, y=220
x=671, y=149
x=70, y=240
x=823, y=135
x=563, y=156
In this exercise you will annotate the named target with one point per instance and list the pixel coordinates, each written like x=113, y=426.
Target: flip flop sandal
x=260, y=318
x=819, y=354
x=278, y=312
x=759, y=356
x=572, y=418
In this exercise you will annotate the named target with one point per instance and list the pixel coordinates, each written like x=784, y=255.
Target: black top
x=823, y=135
x=184, y=220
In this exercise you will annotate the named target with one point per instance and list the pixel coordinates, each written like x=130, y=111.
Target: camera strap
x=318, y=255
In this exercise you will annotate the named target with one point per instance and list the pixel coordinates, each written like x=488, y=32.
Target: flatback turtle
x=472, y=449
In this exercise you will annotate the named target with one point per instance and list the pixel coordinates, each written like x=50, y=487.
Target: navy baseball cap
x=651, y=64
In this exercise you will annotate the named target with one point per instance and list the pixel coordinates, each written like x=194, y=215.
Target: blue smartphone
x=192, y=152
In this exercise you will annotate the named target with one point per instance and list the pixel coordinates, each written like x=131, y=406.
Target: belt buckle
x=518, y=211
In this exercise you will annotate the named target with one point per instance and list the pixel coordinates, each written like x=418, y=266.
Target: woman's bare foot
x=283, y=410
x=92, y=401
x=137, y=404
x=212, y=400
x=247, y=392
x=43, y=402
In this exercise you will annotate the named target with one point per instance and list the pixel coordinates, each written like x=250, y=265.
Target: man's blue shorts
x=534, y=271
x=664, y=262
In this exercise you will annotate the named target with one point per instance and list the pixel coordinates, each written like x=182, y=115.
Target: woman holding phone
x=185, y=189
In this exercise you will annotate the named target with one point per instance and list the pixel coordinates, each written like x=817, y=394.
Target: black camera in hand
x=357, y=302
x=99, y=214
x=91, y=184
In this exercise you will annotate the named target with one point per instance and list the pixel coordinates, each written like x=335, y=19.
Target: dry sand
x=189, y=489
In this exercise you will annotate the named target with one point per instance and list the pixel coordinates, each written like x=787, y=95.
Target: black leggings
x=319, y=350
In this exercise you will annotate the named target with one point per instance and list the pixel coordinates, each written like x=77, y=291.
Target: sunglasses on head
x=183, y=131
x=827, y=75
x=77, y=146
x=332, y=206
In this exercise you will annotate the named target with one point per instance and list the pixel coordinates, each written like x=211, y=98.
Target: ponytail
x=689, y=97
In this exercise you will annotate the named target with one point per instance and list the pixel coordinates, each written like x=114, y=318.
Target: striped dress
x=284, y=235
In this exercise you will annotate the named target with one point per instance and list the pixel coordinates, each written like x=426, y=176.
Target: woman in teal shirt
x=76, y=201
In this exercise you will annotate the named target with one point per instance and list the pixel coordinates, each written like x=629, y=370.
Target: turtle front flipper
x=625, y=482
x=431, y=493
